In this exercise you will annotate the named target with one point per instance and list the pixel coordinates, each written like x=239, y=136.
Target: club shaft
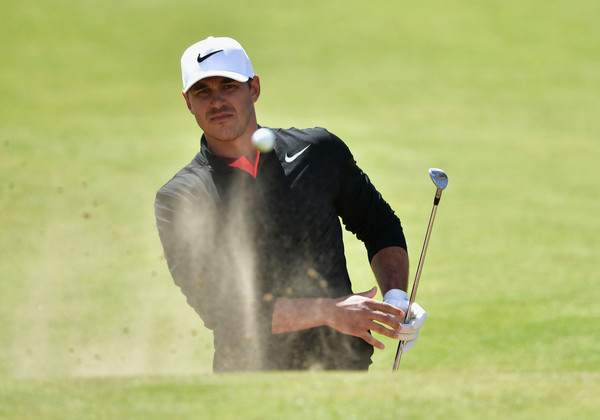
x=413, y=293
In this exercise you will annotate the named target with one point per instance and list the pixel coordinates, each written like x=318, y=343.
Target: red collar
x=244, y=163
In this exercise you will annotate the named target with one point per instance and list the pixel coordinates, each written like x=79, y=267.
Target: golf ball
x=263, y=139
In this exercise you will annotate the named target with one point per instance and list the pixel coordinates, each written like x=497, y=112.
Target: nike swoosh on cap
x=201, y=58
x=292, y=158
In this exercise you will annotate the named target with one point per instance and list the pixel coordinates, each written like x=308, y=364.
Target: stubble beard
x=231, y=130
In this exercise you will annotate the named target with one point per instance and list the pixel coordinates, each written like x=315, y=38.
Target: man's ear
x=255, y=88
x=187, y=102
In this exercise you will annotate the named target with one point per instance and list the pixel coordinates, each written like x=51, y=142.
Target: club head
x=439, y=178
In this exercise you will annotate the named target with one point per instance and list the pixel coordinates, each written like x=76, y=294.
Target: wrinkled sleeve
x=185, y=226
x=362, y=208
x=196, y=234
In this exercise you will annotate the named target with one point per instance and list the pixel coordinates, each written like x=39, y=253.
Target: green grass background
x=503, y=95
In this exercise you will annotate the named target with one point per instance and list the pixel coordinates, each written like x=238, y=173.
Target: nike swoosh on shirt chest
x=292, y=158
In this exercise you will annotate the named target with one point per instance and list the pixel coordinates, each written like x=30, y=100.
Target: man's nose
x=217, y=98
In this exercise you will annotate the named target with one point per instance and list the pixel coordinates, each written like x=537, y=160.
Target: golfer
x=254, y=239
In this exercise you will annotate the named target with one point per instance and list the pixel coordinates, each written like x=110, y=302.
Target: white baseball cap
x=215, y=57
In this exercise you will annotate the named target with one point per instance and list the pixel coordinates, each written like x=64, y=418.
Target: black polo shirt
x=234, y=243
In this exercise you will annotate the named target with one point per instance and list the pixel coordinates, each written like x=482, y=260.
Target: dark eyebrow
x=202, y=85
x=226, y=81
x=198, y=86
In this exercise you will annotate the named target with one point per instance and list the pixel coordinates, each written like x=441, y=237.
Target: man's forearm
x=390, y=266
x=355, y=314
x=299, y=314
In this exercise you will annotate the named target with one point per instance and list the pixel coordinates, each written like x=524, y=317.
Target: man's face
x=224, y=108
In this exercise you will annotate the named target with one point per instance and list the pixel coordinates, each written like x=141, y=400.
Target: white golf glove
x=410, y=330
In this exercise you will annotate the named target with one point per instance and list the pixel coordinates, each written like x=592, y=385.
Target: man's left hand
x=410, y=330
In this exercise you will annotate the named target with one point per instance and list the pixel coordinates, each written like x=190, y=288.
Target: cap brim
x=204, y=75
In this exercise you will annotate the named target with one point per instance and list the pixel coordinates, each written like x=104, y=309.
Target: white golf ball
x=263, y=139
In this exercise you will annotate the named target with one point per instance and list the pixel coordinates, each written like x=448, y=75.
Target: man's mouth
x=220, y=115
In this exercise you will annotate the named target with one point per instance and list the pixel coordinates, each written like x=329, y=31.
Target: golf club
x=440, y=179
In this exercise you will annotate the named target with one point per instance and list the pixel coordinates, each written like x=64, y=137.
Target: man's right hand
x=360, y=313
